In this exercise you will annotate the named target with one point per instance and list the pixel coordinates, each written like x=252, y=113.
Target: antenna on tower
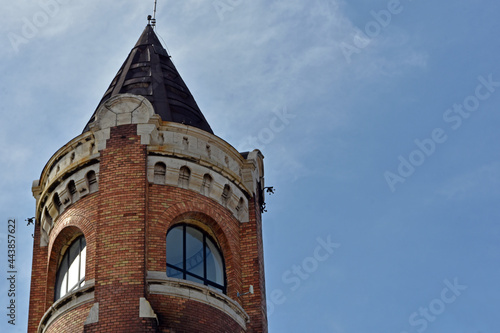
x=153, y=21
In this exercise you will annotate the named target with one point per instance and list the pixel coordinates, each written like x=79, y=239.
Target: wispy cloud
x=482, y=181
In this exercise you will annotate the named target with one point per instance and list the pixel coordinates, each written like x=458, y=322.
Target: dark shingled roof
x=149, y=72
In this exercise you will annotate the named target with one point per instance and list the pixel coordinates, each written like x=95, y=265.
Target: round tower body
x=145, y=225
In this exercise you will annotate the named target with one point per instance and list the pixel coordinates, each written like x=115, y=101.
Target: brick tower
x=147, y=221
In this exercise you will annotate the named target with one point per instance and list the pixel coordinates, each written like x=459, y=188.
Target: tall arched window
x=192, y=255
x=71, y=270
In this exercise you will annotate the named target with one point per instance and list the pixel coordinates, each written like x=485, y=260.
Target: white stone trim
x=121, y=110
x=67, y=160
x=146, y=311
x=199, y=146
x=67, y=303
x=82, y=189
x=178, y=144
x=75, y=153
x=196, y=181
x=160, y=284
x=93, y=316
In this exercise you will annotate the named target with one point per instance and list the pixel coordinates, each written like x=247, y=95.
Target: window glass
x=71, y=272
x=194, y=251
x=192, y=278
x=175, y=247
x=194, y=256
x=74, y=265
x=62, y=282
x=175, y=273
x=215, y=266
x=83, y=259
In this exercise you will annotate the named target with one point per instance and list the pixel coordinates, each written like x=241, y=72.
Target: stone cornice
x=160, y=284
x=67, y=303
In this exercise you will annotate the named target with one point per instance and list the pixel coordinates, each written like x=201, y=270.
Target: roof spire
x=148, y=71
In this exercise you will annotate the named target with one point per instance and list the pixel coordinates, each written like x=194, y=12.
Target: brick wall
x=38, y=283
x=240, y=243
x=120, y=238
x=75, y=221
x=171, y=205
x=71, y=321
x=185, y=316
x=252, y=262
x=122, y=247
x=68, y=227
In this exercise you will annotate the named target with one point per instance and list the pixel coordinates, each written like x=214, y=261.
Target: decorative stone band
x=63, y=193
x=67, y=303
x=207, y=181
x=193, y=159
x=160, y=284
x=70, y=174
x=177, y=140
x=79, y=151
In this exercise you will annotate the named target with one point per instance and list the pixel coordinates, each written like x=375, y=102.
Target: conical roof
x=149, y=72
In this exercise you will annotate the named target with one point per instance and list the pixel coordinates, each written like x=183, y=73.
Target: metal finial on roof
x=153, y=21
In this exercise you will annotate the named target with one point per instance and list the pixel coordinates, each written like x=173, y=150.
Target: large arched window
x=71, y=271
x=193, y=255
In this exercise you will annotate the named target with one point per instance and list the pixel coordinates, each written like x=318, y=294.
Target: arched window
x=192, y=255
x=72, y=191
x=160, y=170
x=206, y=185
x=226, y=194
x=184, y=175
x=92, y=181
x=239, y=208
x=71, y=271
x=57, y=202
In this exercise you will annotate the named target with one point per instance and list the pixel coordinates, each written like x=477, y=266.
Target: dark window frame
x=185, y=272
x=82, y=243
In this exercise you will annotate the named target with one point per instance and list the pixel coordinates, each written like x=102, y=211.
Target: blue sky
x=378, y=121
